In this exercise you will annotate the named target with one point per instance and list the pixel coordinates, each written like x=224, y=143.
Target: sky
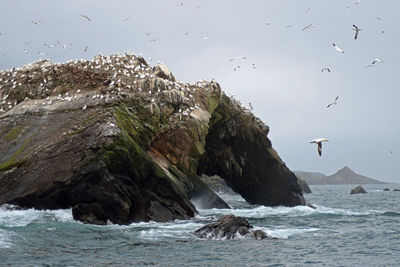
x=281, y=75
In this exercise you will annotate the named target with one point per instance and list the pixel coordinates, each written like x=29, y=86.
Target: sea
x=343, y=230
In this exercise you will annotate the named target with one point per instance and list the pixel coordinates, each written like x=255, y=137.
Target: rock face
x=238, y=150
x=229, y=227
x=119, y=141
x=358, y=190
x=304, y=186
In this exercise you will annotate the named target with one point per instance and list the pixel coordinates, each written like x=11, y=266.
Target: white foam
x=5, y=238
x=284, y=233
x=11, y=217
x=261, y=211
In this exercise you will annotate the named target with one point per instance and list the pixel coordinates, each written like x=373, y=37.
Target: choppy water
x=344, y=230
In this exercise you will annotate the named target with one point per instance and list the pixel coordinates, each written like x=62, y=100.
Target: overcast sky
x=196, y=39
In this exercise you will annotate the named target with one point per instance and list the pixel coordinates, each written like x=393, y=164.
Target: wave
x=5, y=238
x=11, y=216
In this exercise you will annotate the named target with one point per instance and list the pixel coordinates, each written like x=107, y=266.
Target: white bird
x=36, y=22
x=377, y=60
x=236, y=58
x=319, y=141
x=325, y=69
x=310, y=26
x=338, y=48
x=205, y=38
x=85, y=17
x=126, y=19
x=236, y=68
x=357, y=30
x=334, y=102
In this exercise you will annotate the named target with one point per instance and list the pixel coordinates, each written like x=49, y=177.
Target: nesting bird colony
x=104, y=79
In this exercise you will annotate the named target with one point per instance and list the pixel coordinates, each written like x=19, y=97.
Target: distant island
x=342, y=176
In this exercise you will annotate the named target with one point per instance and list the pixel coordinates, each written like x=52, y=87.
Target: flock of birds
x=237, y=67
x=356, y=29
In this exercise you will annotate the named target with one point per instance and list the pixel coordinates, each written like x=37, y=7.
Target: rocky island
x=120, y=141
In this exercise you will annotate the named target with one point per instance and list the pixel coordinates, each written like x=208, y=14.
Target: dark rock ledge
x=230, y=227
x=119, y=141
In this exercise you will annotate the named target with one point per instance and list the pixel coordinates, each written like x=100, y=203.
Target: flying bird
x=236, y=58
x=126, y=19
x=85, y=17
x=333, y=103
x=377, y=60
x=251, y=106
x=340, y=50
x=325, y=69
x=236, y=68
x=86, y=48
x=357, y=30
x=319, y=141
x=310, y=26
x=36, y=22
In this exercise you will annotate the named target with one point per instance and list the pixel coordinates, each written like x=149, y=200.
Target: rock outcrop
x=358, y=190
x=120, y=141
x=304, y=186
x=229, y=227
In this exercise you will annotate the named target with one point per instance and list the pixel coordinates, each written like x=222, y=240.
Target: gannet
x=309, y=27
x=324, y=69
x=355, y=28
x=338, y=48
x=377, y=60
x=333, y=103
x=319, y=141
x=85, y=17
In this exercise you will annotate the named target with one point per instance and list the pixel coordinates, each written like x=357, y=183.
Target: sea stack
x=119, y=141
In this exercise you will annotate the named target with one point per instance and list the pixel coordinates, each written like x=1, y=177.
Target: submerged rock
x=358, y=190
x=118, y=141
x=229, y=227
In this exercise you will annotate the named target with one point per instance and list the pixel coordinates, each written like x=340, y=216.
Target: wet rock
x=229, y=227
x=358, y=190
x=254, y=170
x=386, y=189
x=396, y=189
x=304, y=186
x=120, y=142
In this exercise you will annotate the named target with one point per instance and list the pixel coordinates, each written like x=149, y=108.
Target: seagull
x=251, y=106
x=338, y=48
x=310, y=26
x=236, y=58
x=334, y=102
x=49, y=46
x=85, y=17
x=86, y=48
x=319, y=141
x=126, y=19
x=325, y=69
x=36, y=22
x=355, y=28
x=377, y=60
x=236, y=68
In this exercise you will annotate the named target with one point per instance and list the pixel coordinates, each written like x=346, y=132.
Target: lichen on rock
x=119, y=141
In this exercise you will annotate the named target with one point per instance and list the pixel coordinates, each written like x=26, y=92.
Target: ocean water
x=344, y=230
